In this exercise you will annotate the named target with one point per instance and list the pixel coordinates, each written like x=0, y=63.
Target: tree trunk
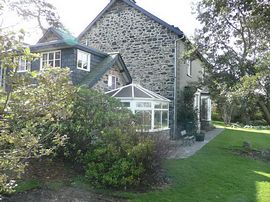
x=265, y=111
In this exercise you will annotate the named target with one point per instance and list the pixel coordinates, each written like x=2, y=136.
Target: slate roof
x=94, y=76
x=66, y=40
x=61, y=35
x=131, y=3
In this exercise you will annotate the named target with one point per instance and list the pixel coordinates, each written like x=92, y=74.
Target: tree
x=44, y=13
x=31, y=120
x=29, y=114
x=187, y=115
x=235, y=41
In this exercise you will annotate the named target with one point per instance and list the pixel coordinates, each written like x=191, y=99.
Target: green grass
x=216, y=174
x=27, y=185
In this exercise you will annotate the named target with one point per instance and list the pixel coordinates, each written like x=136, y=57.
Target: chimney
x=133, y=1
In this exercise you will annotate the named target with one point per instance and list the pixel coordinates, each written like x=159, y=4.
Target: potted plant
x=199, y=137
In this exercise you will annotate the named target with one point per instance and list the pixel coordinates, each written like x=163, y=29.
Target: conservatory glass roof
x=135, y=91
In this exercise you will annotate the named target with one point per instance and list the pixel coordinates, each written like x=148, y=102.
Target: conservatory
x=152, y=108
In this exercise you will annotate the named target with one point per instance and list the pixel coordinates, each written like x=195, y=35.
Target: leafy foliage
x=187, y=115
x=235, y=40
x=43, y=12
x=31, y=120
x=103, y=141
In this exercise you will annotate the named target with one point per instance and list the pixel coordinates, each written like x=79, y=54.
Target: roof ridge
x=172, y=28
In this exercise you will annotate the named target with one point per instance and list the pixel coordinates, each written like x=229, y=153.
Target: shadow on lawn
x=254, y=174
x=257, y=185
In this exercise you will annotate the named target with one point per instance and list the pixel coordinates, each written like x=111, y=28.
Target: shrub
x=118, y=160
x=31, y=120
x=104, y=142
x=187, y=115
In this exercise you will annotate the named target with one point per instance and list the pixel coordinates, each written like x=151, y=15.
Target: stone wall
x=102, y=84
x=147, y=47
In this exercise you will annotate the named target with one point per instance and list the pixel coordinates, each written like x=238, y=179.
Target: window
x=161, y=116
x=83, y=60
x=144, y=119
x=154, y=115
x=52, y=59
x=112, y=82
x=143, y=104
x=206, y=109
x=126, y=104
x=189, y=67
x=22, y=65
x=2, y=76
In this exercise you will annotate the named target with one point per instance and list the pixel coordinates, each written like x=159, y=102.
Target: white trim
x=47, y=61
x=189, y=68
x=111, y=84
x=153, y=95
x=88, y=55
x=26, y=67
x=133, y=108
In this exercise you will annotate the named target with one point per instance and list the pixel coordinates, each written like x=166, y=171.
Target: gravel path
x=179, y=151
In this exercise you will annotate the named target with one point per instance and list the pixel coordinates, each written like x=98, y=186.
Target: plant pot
x=199, y=137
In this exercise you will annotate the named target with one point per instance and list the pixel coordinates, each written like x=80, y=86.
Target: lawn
x=216, y=174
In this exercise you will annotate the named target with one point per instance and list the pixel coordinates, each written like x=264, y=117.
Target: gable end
x=133, y=4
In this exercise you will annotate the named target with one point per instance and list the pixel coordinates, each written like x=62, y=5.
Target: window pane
x=165, y=106
x=204, y=108
x=165, y=119
x=45, y=56
x=57, y=55
x=113, y=82
x=51, y=63
x=83, y=60
x=51, y=56
x=85, y=64
x=158, y=106
x=143, y=104
x=22, y=65
x=126, y=104
x=157, y=120
x=80, y=63
x=57, y=63
x=144, y=119
x=44, y=64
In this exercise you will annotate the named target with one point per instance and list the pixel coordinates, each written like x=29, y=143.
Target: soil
x=253, y=153
x=65, y=194
x=46, y=171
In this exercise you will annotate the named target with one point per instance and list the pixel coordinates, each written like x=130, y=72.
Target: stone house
x=105, y=72
x=151, y=48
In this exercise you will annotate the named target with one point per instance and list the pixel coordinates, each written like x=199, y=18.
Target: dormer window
x=52, y=59
x=83, y=60
x=112, y=82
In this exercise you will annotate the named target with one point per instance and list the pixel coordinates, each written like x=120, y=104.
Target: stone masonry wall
x=147, y=47
x=102, y=84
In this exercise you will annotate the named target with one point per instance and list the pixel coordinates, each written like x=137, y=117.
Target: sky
x=77, y=14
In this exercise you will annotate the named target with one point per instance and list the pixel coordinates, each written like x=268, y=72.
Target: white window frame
x=88, y=58
x=189, y=67
x=151, y=107
x=26, y=65
x=47, y=61
x=2, y=77
x=112, y=82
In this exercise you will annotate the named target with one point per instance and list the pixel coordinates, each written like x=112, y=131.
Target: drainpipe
x=175, y=86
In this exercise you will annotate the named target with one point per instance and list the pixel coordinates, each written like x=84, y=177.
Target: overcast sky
x=77, y=14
